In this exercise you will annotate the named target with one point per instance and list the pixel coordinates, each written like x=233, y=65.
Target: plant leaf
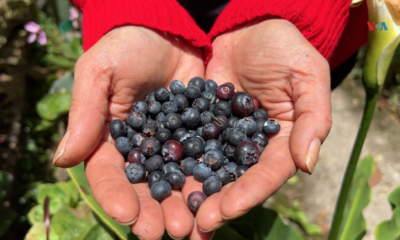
x=298, y=216
x=38, y=232
x=53, y=105
x=63, y=84
x=226, y=232
x=97, y=232
x=394, y=198
x=77, y=175
x=390, y=229
x=36, y=214
x=59, y=61
x=72, y=192
x=353, y=225
x=58, y=198
x=268, y=225
x=76, y=46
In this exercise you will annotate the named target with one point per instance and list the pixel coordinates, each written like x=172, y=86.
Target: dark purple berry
x=174, y=121
x=161, y=94
x=123, y=145
x=210, y=131
x=155, y=177
x=195, y=199
x=155, y=163
x=193, y=147
x=242, y=104
x=225, y=92
x=198, y=82
x=222, y=122
x=163, y=135
x=191, y=118
x=140, y=106
x=176, y=179
x=160, y=190
x=136, y=156
x=236, y=136
x=256, y=103
x=246, y=153
x=201, y=104
x=177, y=87
x=271, y=127
x=172, y=151
x=150, y=146
x=187, y=166
x=240, y=170
x=135, y=172
x=117, y=129
x=212, y=185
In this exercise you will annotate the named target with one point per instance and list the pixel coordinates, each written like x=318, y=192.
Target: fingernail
x=216, y=226
x=312, y=154
x=173, y=237
x=238, y=214
x=61, y=148
x=129, y=223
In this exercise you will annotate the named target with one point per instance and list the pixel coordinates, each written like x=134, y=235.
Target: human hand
x=125, y=65
x=273, y=62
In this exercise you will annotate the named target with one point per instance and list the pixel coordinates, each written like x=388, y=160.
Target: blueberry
x=181, y=134
x=210, y=95
x=135, y=172
x=193, y=147
x=260, y=124
x=161, y=94
x=163, y=135
x=210, y=131
x=150, y=98
x=201, y=104
x=154, y=108
x=260, y=148
x=161, y=125
x=212, y=144
x=195, y=199
x=169, y=107
x=229, y=152
x=224, y=177
x=225, y=134
x=123, y=145
x=149, y=120
x=160, y=117
x=230, y=167
x=211, y=85
x=246, y=153
x=150, y=146
x=211, y=109
x=260, y=114
x=171, y=96
x=136, y=156
x=232, y=121
x=242, y=104
x=240, y=170
x=140, y=106
x=248, y=125
x=149, y=129
x=201, y=172
x=130, y=132
x=160, y=190
x=222, y=122
x=214, y=159
x=170, y=167
x=176, y=179
x=200, y=131
x=191, y=118
x=181, y=102
x=187, y=166
x=193, y=133
x=155, y=177
x=260, y=138
x=172, y=150
x=271, y=127
x=117, y=129
x=212, y=185
x=136, y=120
x=225, y=92
x=198, y=82
x=137, y=139
x=155, y=163
x=177, y=87
x=192, y=92
x=205, y=117
x=236, y=136
x=174, y=121
x=222, y=108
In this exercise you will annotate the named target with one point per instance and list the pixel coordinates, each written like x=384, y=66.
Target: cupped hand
x=273, y=62
x=121, y=68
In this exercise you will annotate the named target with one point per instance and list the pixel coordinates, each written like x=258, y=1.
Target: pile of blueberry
x=204, y=130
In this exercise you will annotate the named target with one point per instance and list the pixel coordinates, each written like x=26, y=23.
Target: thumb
x=88, y=112
x=313, y=121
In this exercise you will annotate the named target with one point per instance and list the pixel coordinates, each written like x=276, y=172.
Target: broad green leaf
x=98, y=232
x=70, y=189
x=76, y=46
x=53, y=105
x=73, y=222
x=353, y=225
x=43, y=125
x=226, y=232
x=36, y=214
x=63, y=84
x=6, y=218
x=77, y=175
x=298, y=216
x=58, y=198
x=390, y=229
x=38, y=232
x=268, y=225
x=59, y=61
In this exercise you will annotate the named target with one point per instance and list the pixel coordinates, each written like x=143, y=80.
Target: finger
x=196, y=234
x=209, y=217
x=177, y=217
x=191, y=185
x=150, y=222
x=313, y=119
x=263, y=179
x=88, y=111
x=105, y=172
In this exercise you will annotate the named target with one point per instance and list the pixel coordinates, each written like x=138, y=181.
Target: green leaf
x=6, y=218
x=268, y=225
x=36, y=214
x=63, y=84
x=76, y=46
x=226, y=232
x=38, y=232
x=298, y=216
x=390, y=229
x=77, y=175
x=72, y=192
x=53, y=105
x=58, y=198
x=59, y=61
x=98, y=232
x=353, y=225
x=43, y=125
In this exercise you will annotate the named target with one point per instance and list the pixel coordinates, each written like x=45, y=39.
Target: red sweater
x=330, y=25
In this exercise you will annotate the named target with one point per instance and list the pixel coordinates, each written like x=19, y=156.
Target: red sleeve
x=320, y=21
x=101, y=16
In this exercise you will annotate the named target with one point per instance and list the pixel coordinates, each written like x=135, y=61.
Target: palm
x=274, y=63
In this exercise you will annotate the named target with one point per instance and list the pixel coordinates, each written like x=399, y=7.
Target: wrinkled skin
x=270, y=60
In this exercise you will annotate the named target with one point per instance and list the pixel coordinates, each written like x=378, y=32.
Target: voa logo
x=374, y=25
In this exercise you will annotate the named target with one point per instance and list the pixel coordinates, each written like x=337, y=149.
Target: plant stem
x=368, y=113
x=216, y=119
